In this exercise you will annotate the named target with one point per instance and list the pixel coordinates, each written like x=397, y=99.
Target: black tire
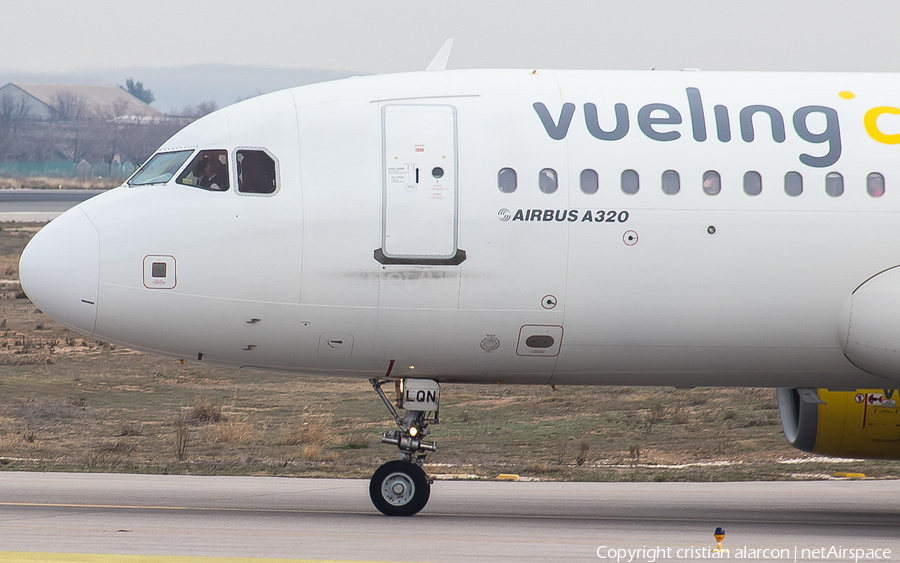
x=399, y=488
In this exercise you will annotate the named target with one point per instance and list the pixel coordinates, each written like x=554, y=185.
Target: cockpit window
x=160, y=168
x=256, y=172
x=208, y=170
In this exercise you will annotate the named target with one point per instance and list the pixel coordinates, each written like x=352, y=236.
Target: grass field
x=41, y=183
x=73, y=403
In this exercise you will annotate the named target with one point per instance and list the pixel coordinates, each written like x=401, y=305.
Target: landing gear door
x=420, y=213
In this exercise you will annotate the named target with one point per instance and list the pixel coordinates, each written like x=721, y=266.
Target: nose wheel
x=399, y=488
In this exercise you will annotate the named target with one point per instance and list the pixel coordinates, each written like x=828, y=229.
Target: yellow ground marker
x=23, y=557
x=507, y=477
x=846, y=475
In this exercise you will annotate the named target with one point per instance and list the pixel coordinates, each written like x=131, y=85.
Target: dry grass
x=315, y=452
x=357, y=442
x=230, y=432
x=130, y=431
x=182, y=439
x=204, y=410
x=311, y=430
x=9, y=273
x=114, y=447
x=25, y=359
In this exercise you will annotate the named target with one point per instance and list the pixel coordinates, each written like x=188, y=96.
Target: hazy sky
x=380, y=36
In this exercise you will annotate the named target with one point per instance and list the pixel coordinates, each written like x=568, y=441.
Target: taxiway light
x=719, y=534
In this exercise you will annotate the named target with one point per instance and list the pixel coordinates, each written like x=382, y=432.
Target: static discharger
x=720, y=537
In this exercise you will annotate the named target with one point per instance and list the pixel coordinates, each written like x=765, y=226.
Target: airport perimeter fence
x=81, y=170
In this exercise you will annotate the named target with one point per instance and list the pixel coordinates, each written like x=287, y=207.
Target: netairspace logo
x=652, y=554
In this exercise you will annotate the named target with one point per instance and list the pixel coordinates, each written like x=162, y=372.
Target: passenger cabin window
x=793, y=184
x=875, y=184
x=160, y=168
x=590, y=182
x=752, y=183
x=834, y=184
x=208, y=170
x=671, y=182
x=255, y=172
x=630, y=182
x=712, y=182
x=548, y=181
x=507, y=180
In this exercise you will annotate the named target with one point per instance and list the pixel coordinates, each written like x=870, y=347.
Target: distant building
x=71, y=102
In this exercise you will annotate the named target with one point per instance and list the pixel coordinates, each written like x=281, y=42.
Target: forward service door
x=420, y=202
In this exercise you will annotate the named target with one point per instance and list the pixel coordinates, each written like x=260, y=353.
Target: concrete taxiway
x=39, y=205
x=466, y=521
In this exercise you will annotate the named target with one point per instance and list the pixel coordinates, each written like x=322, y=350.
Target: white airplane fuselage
x=365, y=256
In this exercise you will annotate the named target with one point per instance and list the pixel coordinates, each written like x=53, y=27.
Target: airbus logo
x=564, y=215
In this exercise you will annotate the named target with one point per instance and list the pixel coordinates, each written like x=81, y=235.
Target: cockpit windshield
x=160, y=168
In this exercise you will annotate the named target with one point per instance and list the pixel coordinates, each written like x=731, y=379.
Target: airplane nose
x=59, y=270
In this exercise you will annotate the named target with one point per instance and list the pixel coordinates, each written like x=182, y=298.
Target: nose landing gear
x=400, y=487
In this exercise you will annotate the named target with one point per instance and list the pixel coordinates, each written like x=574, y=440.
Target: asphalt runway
x=466, y=521
x=39, y=205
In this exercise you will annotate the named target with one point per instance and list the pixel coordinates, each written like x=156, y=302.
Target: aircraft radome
x=517, y=226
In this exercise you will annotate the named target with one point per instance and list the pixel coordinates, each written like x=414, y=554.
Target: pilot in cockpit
x=214, y=176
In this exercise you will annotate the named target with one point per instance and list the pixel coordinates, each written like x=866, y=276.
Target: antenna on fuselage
x=439, y=62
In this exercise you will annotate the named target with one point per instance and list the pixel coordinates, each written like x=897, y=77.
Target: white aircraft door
x=418, y=280
x=420, y=207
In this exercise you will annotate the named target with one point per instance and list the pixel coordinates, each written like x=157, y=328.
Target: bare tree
x=42, y=146
x=13, y=109
x=114, y=110
x=111, y=116
x=200, y=109
x=69, y=106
